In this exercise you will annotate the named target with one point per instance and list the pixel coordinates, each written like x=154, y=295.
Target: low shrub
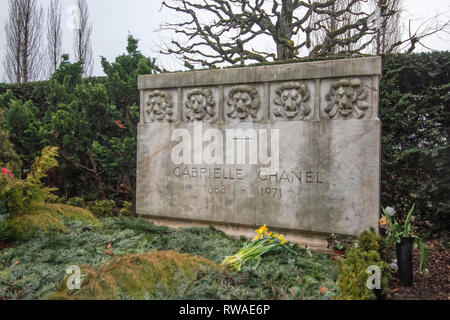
x=28, y=200
x=385, y=249
x=47, y=217
x=353, y=275
x=5, y=231
x=102, y=208
x=139, y=276
x=370, y=240
x=76, y=202
x=127, y=209
x=367, y=241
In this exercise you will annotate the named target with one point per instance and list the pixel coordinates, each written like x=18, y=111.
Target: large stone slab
x=293, y=146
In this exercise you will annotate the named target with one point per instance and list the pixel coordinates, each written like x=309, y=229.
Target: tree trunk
x=283, y=34
x=333, y=27
x=26, y=42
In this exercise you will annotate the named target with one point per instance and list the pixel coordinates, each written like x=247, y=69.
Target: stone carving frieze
x=291, y=101
x=347, y=99
x=159, y=107
x=200, y=105
x=243, y=103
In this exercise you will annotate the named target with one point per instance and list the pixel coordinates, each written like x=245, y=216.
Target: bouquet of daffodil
x=263, y=242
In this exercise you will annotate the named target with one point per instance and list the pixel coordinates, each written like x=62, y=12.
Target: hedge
x=415, y=114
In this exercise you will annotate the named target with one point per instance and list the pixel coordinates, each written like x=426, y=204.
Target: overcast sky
x=113, y=19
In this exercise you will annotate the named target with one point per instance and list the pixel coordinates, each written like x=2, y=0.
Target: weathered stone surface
x=325, y=117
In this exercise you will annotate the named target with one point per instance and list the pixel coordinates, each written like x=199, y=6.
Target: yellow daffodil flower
x=264, y=229
x=255, y=250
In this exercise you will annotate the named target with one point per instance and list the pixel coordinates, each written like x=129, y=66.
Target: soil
x=434, y=287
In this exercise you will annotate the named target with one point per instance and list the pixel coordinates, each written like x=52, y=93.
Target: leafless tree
x=82, y=39
x=330, y=23
x=23, y=59
x=438, y=24
x=219, y=31
x=388, y=23
x=214, y=32
x=54, y=36
x=13, y=32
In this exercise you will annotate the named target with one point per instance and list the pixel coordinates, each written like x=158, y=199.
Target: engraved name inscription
x=293, y=176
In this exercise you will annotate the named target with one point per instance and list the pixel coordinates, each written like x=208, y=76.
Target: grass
x=35, y=269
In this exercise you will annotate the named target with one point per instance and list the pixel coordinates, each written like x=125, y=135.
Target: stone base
x=313, y=241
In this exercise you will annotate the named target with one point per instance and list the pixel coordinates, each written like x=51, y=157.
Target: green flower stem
x=253, y=251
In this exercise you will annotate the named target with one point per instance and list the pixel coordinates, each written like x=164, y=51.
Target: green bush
x=127, y=209
x=102, y=208
x=93, y=122
x=353, y=275
x=3, y=211
x=76, y=202
x=8, y=156
x=385, y=249
x=36, y=92
x=22, y=119
x=27, y=200
x=5, y=231
x=367, y=241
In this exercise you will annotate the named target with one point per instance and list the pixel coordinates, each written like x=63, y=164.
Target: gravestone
x=294, y=146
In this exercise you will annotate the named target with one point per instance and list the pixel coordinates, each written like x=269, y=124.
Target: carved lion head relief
x=200, y=105
x=291, y=98
x=159, y=106
x=346, y=99
x=243, y=102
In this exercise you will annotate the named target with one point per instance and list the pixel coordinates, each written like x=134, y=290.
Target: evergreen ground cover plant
x=36, y=269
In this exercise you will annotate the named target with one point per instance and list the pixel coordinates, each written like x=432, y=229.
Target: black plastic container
x=404, y=260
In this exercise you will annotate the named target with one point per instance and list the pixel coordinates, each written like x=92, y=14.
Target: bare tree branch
x=387, y=20
x=328, y=23
x=215, y=32
x=224, y=32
